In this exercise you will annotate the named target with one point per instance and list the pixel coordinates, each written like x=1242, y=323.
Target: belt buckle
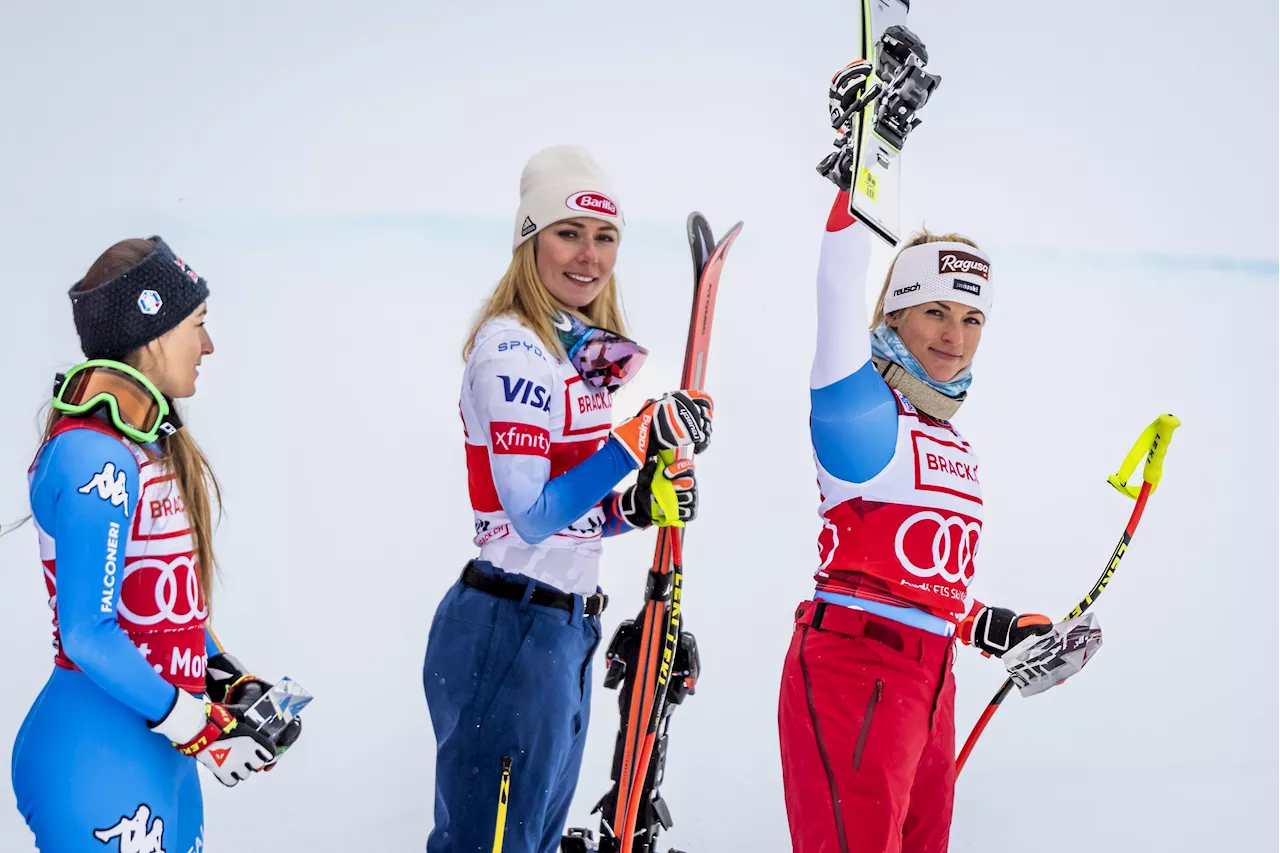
x=589, y=603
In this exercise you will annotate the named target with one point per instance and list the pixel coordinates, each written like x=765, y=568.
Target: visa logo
x=526, y=392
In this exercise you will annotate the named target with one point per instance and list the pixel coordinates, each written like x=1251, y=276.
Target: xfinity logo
x=516, y=438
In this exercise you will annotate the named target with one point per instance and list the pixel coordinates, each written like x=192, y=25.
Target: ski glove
x=847, y=96
x=674, y=420
x=211, y=733
x=1041, y=662
x=637, y=506
x=995, y=630
x=227, y=682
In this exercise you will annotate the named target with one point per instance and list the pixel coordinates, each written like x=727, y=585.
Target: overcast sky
x=1142, y=125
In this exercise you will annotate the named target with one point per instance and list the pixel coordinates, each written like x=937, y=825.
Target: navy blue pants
x=506, y=679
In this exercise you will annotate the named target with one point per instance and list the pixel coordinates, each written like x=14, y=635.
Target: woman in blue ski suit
x=120, y=494
x=507, y=673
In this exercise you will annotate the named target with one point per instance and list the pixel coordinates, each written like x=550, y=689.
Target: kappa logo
x=133, y=835
x=219, y=756
x=149, y=302
x=506, y=437
x=962, y=262
x=111, y=485
x=591, y=202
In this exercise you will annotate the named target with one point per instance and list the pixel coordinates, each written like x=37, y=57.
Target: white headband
x=943, y=272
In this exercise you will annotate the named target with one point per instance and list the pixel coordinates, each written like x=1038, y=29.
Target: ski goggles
x=603, y=359
x=137, y=408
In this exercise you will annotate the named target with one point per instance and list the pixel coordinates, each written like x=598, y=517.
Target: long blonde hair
x=197, y=485
x=520, y=293
x=924, y=235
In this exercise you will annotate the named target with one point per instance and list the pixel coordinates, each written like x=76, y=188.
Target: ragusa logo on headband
x=591, y=202
x=950, y=261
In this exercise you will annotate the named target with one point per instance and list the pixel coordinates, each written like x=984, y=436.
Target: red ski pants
x=866, y=718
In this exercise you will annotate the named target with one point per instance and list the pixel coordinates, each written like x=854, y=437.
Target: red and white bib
x=156, y=584
x=910, y=534
x=535, y=408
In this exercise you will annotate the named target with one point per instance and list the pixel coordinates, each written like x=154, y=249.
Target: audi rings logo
x=176, y=593
x=955, y=541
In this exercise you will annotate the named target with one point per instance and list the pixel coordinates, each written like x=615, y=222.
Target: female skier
x=121, y=497
x=866, y=707
x=507, y=673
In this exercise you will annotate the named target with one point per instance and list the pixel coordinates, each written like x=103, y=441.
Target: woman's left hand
x=637, y=505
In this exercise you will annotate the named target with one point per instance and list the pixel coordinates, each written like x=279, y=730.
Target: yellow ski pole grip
x=1152, y=444
x=664, y=494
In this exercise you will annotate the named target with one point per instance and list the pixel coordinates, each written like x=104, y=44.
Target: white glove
x=1041, y=662
x=213, y=735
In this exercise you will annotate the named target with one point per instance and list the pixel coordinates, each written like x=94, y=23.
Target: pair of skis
x=651, y=660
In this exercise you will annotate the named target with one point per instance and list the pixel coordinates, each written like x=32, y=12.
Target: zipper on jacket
x=866, y=723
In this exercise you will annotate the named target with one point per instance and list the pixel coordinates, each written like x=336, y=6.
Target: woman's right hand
x=674, y=420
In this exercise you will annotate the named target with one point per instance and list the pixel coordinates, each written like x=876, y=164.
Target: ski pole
x=1153, y=444
x=504, y=791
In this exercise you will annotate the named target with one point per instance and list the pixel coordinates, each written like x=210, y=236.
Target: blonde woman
x=507, y=673
x=122, y=498
x=867, y=702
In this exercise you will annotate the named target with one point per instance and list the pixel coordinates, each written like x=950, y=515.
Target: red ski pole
x=1153, y=444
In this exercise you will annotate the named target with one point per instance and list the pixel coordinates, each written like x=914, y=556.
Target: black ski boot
x=654, y=815
x=900, y=61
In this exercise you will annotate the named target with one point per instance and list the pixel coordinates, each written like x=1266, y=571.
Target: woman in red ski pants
x=866, y=707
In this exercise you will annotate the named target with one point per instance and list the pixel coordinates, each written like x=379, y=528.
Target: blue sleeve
x=83, y=493
x=570, y=496
x=854, y=425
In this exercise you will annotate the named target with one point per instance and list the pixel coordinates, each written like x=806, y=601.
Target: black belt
x=592, y=605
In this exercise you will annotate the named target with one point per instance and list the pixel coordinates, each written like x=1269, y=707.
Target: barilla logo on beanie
x=591, y=202
x=952, y=261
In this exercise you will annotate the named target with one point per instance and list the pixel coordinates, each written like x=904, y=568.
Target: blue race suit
x=88, y=774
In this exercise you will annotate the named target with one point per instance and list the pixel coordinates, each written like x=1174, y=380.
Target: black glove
x=995, y=630
x=636, y=504
x=227, y=682
x=847, y=96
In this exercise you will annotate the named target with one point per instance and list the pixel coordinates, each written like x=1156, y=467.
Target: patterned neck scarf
x=886, y=344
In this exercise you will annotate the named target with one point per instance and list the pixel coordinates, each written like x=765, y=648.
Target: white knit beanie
x=563, y=182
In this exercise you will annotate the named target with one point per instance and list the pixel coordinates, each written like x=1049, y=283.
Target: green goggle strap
x=104, y=398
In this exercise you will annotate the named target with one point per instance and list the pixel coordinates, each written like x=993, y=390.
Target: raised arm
x=854, y=419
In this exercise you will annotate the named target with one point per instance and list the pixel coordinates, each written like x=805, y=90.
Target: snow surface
x=289, y=157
